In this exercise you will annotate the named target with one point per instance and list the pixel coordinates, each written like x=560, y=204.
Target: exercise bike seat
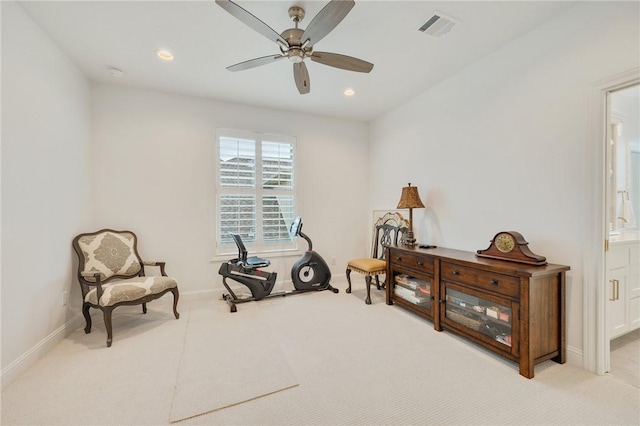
x=256, y=262
x=252, y=262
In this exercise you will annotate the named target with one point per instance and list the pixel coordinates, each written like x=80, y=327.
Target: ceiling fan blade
x=301, y=76
x=344, y=62
x=252, y=63
x=250, y=20
x=326, y=20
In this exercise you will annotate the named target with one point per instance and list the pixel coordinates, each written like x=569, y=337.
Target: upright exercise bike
x=309, y=273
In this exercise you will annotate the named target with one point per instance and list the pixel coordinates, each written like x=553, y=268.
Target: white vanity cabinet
x=623, y=287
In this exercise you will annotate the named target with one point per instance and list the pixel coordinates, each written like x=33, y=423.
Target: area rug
x=227, y=362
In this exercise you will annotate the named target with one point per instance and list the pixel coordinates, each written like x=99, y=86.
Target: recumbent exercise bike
x=309, y=273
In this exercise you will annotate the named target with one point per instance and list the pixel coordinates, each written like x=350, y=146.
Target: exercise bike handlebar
x=296, y=230
x=303, y=235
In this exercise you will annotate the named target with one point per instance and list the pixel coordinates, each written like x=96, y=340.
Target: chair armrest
x=96, y=276
x=152, y=263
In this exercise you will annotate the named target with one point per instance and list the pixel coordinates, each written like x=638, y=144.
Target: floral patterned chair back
x=111, y=253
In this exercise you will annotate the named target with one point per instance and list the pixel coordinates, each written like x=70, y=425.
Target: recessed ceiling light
x=349, y=92
x=164, y=54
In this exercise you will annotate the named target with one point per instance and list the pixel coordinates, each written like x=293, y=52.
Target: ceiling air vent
x=438, y=25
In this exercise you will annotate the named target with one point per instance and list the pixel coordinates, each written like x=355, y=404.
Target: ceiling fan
x=297, y=44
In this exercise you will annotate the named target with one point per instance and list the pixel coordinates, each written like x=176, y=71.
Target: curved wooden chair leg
x=176, y=296
x=107, y=323
x=144, y=308
x=378, y=283
x=87, y=317
x=348, y=280
x=368, y=280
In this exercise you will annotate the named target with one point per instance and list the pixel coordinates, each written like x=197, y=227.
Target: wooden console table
x=513, y=309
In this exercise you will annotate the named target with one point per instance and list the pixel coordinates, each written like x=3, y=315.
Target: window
x=255, y=190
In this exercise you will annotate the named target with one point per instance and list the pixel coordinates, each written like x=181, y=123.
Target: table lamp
x=410, y=199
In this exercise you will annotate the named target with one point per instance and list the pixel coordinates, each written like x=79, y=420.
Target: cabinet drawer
x=418, y=263
x=497, y=283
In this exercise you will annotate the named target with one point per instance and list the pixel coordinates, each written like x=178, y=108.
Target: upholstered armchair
x=388, y=229
x=111, y=274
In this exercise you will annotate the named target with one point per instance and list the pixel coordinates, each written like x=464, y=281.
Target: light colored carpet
x=225, y=363
x=625, y=358
x=355, y=365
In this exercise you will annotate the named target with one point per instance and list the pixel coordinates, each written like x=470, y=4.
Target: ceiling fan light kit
x=297, y=44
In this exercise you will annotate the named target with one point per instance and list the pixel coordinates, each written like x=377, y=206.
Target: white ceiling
x=205, y=39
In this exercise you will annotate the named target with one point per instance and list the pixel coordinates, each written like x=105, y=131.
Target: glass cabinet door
x=484, y=316
x=414, y=290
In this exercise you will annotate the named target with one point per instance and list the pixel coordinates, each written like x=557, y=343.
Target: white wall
x=46, y=183
x=154, y=174
x=503, y=144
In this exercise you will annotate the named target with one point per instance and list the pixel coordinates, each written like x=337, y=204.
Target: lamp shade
x=410, y=199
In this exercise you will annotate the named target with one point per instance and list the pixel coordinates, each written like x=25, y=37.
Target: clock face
x=505, y=242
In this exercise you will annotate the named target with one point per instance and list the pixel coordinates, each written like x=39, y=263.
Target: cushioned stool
x=389, y=229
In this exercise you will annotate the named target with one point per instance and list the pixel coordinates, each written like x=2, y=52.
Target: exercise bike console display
x=309, y=273
x=296, y=227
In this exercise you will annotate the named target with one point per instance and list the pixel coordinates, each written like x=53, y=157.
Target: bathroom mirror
x=623, y=180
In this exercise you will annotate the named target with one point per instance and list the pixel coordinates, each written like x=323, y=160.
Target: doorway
x=622, y=233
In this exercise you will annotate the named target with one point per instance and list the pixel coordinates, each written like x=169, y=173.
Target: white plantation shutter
x=237, y=162
x=277, y=165
x=256, y=190
x=277, y=185
x=277, y=215
x=238, y=215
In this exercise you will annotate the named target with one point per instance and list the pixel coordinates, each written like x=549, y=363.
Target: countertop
x=624, y=237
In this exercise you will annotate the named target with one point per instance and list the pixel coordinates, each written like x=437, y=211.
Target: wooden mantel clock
x=511, y=245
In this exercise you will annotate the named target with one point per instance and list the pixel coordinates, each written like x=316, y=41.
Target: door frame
x=595, y=332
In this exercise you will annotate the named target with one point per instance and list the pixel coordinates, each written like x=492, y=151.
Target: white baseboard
x=575, y=356
x=30, y=357
x=189, y=294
